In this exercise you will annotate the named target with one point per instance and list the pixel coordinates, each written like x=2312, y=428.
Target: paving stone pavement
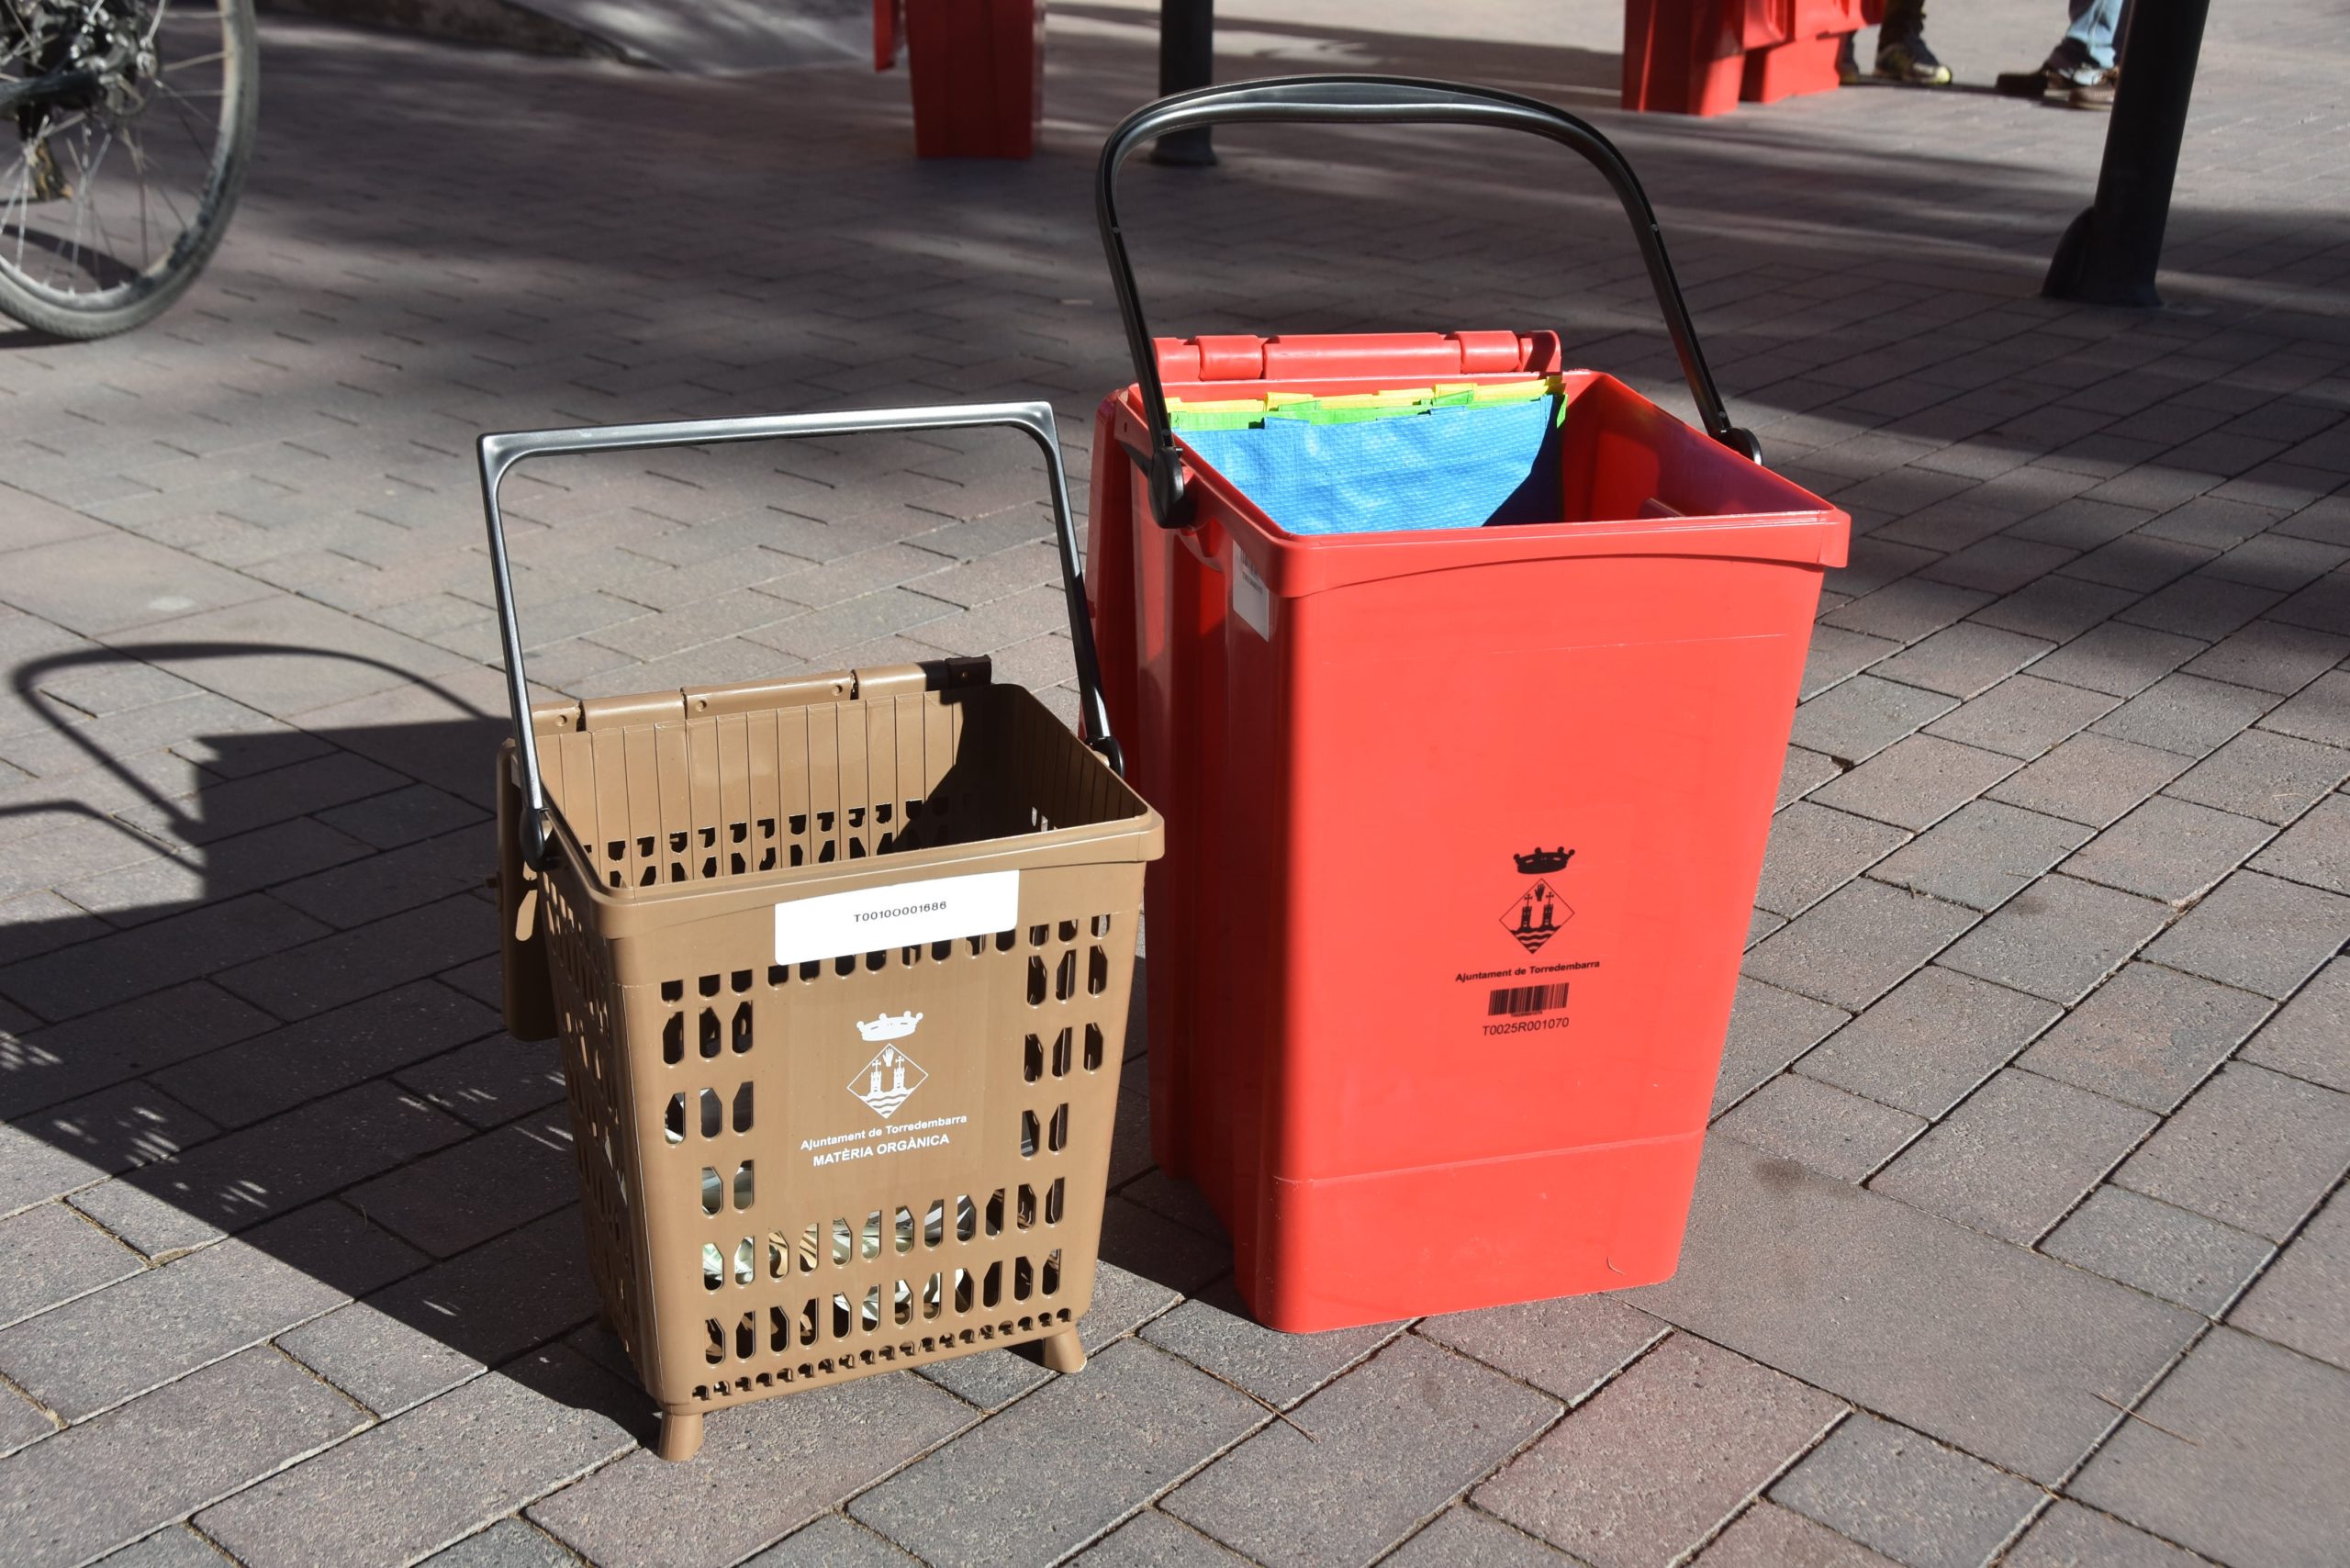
x=2020, y=1235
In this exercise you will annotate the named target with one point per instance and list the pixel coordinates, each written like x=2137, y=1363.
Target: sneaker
x=1909, y=60
x=1848, y=66
x=2098, y=95
x=2031, y=84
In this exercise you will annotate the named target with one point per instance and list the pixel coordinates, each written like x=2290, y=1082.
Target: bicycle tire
x=152, y=289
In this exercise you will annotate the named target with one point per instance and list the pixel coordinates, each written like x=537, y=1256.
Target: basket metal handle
x=500, y=453
x=1376, y=100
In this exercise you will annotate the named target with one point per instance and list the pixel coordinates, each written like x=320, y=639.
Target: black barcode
x=1517, y=1001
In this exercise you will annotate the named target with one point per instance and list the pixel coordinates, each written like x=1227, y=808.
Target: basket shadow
x=275, y=1019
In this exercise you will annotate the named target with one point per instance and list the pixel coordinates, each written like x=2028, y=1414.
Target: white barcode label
x=1252, y=601
x=904, y=916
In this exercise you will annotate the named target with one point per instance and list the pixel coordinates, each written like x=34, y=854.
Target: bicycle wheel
x=133, y=122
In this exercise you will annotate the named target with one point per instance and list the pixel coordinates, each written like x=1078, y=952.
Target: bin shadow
x=278, y=1021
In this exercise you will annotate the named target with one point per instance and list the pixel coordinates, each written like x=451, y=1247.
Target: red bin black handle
x=1375, y=100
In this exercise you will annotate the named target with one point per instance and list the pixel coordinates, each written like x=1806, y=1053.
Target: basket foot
x=1064, y=1352
x=680, y=1435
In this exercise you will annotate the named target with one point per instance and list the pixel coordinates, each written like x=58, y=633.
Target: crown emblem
x=1535, y=862
x=889, y=1026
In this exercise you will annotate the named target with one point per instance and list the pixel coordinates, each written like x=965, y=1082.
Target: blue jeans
x=2087, y=48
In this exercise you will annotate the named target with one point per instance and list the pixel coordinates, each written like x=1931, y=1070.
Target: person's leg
x=2086, y=51
x=1901, y=51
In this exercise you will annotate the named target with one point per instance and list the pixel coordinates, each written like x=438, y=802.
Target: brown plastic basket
x=840, y=967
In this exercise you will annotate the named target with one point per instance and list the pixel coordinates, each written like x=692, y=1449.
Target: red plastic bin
x=1380, y=755
x=1702, y=57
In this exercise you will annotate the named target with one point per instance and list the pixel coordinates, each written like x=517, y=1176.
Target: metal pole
x=2110, y=254
x=1186, y=60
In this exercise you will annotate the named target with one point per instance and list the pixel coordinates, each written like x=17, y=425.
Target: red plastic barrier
x=1703, y=57
x=979, y=77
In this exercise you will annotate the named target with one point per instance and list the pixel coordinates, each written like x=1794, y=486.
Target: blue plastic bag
x=1450, y=467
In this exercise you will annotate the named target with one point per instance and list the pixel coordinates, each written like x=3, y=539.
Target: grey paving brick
x=2324, y=604
x=1929, y=1042
x=1802, y=771
x=1863, y=715
x=1814, y=850
x=67, y=1060
x=266, y=1169
x=2069, y=1536
x=116, y=1128
x=2139, y=561
x=2056, y=609
x=1999, y=565
x=300, y=982
x=33, y=1169
x=2185, y=713
x=1981, y=855
x=2023, y=716
x=1883, y=1304
x=1464, y=1538
x=401, y=816
x=2202, y=605
x=175, y=1547
x=2271, y=777
x=1768, y=1030
x=1662, y=1457
x=2260, y=933
x=278, y=1070
x=2169, y=850
x=2315, y=850
x=1841, y=1134
x=1965, y=659
x=55, y=1256
x=1065, y=1463
x=1152, y=1540
x=2058, y=938
x=2017, y=1154
x=2147, y=1036
x=492, y=1080
x=22, y=1422
x=1767, y=1536
x=461, y=1196
x=2252, y=1149
x=834, y=1541
x=2118, y=659
x=1568, y=1347
x=152, y=958
x=383, y=1363
x=419, y=1482
x=2303, y=1301
x=505, y=1296
x=1907, y=609
x=1906, y=1495
x=1857, y=944
x=2318, y=711
x=111, y=581
x=2092, y=779
x=990, y=1380
x=1834, y=653
x=2271, y=656
x=2260, y=1429
x=508, y=1543
x=155, y=1325
x=1916, y=782
x=1369, y=1457
x=94, y=1487
x=2309, y=1038
x=1214, y=1333
x=2166, y=1251
x=146, y=1225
